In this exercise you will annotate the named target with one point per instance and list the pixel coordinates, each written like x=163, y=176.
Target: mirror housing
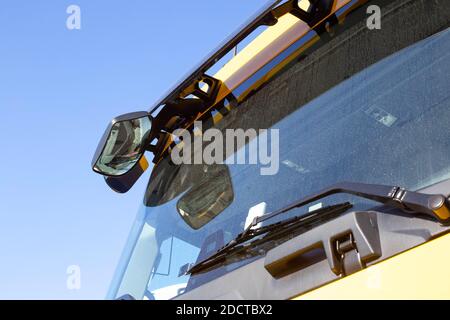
x=122, y=145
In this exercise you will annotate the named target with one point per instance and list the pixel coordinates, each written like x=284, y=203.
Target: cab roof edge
x=262, y=17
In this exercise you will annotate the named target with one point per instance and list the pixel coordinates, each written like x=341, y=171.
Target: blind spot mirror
x=123, y=144
x=124, y=183
x=207, y=198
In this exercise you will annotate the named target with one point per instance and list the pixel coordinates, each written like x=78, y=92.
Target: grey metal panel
x=398, y=233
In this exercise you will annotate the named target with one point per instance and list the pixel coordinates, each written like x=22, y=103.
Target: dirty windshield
x=385, y=124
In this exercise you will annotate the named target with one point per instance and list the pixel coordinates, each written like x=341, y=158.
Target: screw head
x=437, y=201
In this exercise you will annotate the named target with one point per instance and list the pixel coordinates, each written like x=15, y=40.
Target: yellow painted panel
x=419, y=273
x=256, y=46
x=271, y=34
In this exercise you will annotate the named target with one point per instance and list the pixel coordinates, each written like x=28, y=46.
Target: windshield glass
x=387, y=124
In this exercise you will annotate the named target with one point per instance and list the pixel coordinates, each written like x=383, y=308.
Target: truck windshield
x=386, y=124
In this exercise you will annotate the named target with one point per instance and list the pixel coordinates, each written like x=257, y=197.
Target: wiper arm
x=271, y=232
x=433, y=205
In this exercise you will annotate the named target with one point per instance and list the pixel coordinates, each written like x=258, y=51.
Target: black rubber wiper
x=270, y=232
x=433, y=205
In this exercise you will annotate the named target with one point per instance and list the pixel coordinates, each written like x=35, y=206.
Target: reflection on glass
x=124, y=146
x=212, y=195
x=387, y=124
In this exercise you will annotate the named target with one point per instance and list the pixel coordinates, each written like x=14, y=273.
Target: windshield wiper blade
x=272, y=231
x=435, y=206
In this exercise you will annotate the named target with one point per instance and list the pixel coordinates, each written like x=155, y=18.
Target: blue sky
x=58, y=90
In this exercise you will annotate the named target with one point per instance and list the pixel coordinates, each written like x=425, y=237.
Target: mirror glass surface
x=124, y=146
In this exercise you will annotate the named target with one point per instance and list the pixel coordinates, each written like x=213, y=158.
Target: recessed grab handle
x=359, y=229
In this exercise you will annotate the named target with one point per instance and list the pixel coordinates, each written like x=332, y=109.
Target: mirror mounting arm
x=209, y=96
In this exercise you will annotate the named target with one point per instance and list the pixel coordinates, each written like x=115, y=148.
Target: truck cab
x=318, y=167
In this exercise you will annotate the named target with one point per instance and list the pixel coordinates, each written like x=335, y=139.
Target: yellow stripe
x=143, y=163
x=256, y=46
x=443, y=213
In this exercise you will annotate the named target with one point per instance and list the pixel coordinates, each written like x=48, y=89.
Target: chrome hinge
x=348, y=255
x=397, y=194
